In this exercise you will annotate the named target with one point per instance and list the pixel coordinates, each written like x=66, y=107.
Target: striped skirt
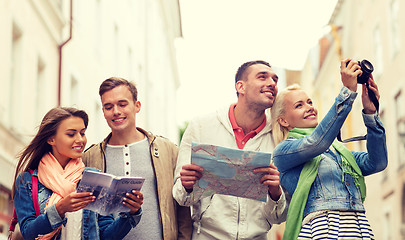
x=341, y=225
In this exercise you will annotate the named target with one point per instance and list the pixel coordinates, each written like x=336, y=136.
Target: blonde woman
x=325, y=179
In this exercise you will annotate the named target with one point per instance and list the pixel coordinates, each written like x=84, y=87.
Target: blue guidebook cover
x=109, y=191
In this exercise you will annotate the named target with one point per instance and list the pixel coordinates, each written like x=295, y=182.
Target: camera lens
x=366, y=66
x=367, y=69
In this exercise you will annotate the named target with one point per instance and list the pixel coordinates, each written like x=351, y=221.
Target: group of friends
x=314, y=183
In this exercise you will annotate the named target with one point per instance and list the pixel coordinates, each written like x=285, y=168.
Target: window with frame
x=387, y=229
x=383, y=120
x=378, y=51
x=40, y=97
x=6, y=207
x=14, y=97
x=394, y=27
x=74, y=91
x=59, y=4
x=402, y=230
x=400, y=124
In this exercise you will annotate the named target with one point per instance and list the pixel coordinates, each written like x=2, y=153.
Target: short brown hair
x=240, y=74
x=114, y=82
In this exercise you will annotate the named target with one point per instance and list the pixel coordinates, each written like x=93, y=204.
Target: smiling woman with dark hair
x=54, y=157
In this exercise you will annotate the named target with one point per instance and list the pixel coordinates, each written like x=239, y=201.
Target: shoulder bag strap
x=14, y=220
x=35, y=193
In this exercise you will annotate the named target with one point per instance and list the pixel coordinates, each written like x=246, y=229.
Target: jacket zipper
x=238, y=222
x=201, y=215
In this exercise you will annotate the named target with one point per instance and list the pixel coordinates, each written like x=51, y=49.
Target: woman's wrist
x=59, y=208
x=367, y=111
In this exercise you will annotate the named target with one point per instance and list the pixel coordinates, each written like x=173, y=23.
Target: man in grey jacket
x=243, y=125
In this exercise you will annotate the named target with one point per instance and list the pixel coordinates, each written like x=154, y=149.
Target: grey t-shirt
x=134, y=160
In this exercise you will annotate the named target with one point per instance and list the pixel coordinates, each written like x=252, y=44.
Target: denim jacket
x=94, y=226
x=329, y=191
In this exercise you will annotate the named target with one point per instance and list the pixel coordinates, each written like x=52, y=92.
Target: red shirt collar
x=240, y=137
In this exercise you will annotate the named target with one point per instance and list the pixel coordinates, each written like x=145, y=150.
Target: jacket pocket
x=202, y=208
x=328, y=180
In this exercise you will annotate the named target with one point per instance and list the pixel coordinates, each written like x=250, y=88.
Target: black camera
x=367, y=68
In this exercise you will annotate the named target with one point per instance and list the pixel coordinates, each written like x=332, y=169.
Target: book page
x=99, y=184
x=119, y=188
x=109, y=191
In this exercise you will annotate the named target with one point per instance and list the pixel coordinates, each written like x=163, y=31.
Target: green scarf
x=307, y=177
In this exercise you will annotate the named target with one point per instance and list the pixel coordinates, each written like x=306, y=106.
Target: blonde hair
x=278, y=110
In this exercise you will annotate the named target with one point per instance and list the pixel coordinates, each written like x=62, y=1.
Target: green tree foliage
x=182, y=130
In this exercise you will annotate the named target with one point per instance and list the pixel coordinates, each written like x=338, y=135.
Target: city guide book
x=109, y=191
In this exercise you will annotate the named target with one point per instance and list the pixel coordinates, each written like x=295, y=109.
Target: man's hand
x=189, y=175
x=271, y=179
x=134, y=201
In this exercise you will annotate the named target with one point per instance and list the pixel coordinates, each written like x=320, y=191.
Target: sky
x=220, y=35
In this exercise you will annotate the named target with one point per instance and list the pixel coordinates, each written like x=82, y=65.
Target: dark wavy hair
x=30, y=157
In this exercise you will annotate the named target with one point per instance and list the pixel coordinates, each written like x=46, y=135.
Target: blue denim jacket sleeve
x=53, y=216
x=94, y=225
x=31, y=225
x=107, y=226
x=291, y=153
x=118, y=228
x=376, y=157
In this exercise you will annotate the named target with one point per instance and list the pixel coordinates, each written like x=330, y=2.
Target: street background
x=183, y=54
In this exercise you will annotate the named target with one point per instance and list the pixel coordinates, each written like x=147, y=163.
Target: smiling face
x=259, y=86
x=119, y=109
x=299, y=111
x=69, y=140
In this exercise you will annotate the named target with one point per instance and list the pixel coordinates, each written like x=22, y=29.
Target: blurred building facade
x=57, y=52
x=372, y=30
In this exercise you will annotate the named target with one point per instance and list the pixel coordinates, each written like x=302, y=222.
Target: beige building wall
x=30, y=33
x=131, y=39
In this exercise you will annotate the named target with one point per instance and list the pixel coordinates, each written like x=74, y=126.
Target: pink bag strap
x=35, y=193
x=14, y=220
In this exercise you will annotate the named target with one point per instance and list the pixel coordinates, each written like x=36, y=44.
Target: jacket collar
x=223, y=118
x=149, y=135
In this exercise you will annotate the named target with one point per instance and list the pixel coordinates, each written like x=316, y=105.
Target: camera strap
x=373, y=99
x=352, y=139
